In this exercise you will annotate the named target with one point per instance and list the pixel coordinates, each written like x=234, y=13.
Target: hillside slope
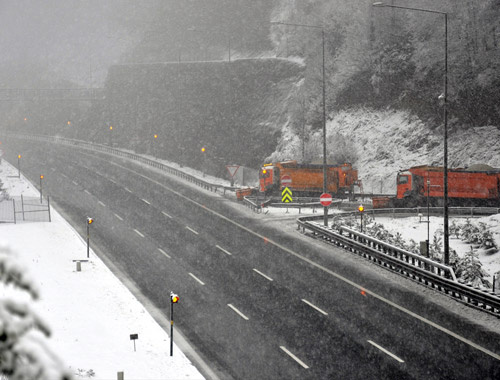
x=384, y=142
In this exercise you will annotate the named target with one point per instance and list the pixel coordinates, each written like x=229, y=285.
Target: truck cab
x=404, y=184
x=268, y=178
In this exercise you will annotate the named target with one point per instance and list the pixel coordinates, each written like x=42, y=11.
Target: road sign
x=325, y=199
x=286, y=180
x=232, y=169
x=286, y=195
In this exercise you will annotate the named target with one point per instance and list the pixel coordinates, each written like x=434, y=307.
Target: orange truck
x=478, y=185
x=307, y=179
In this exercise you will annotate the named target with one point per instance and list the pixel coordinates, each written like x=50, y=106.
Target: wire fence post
x=22, y=206
x=48, y=207
x=14, y=210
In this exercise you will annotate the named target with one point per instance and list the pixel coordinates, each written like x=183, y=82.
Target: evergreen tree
x=469, y=269
x=24, y=354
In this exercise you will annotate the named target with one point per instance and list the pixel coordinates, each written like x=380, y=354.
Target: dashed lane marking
x=197, y=279
x=119, y=217
x=145, y=201
x=193, y=231
x=386, y=351
x=315, y=307
x=164, y=213
x=138, y=233
x=164, y=253
x=223, y=250
x=102, y=204
x=262, y=274
x=294, y=357
x=238, y=312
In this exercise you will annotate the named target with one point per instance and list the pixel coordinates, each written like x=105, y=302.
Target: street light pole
x=443, y=97
x=325, y=208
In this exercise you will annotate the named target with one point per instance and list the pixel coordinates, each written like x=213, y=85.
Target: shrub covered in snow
x=469, y=269
x=24, y=353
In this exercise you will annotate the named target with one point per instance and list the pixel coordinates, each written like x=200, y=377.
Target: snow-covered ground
x=91, y=313
x=416, y=228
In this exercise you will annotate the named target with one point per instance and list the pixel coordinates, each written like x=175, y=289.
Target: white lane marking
x=53, y=169
x=223, y=250
x=138, y=233
x=238, y=312
x=119, y=217
x=294, y=357
x=164, y=253
x=315, y=307
x=126, y=188
x=102, y=204
x=164, y=213
x=262, y=274
x=197, y=279
x=318, y=266
x=145, y=201
x=193, y=231
x=64, y=175
x=74, y=183
x=86, y=191
x=387, y=352
x=112, y=180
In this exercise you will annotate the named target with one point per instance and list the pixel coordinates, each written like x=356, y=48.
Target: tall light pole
x=325, y=208
x=444, y=98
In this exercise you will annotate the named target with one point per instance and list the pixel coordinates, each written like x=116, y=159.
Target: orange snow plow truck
x=307, y=179
x=477, y=185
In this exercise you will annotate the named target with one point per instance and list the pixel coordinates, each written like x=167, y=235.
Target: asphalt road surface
x=256, y=302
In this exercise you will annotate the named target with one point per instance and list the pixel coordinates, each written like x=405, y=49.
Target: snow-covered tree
x=469, y=269
x=24, y=354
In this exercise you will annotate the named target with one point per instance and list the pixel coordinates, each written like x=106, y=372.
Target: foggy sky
x=66, y=37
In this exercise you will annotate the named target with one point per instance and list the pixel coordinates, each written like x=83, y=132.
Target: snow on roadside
x=91, y=313
x=416, y=228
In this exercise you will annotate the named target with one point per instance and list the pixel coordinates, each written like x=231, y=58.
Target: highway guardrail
x=123, y=153
x=416, y=267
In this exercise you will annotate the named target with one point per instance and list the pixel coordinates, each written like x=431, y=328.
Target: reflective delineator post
x=174, y=298
x=89, y=222
x=361, y=209
x=41, y=178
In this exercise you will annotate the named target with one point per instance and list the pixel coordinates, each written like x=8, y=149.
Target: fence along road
x=25, y=209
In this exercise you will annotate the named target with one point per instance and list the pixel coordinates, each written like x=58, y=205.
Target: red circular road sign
x=286, y=180
x=325, y=199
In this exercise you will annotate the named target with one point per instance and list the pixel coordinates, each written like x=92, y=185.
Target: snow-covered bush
x=454, y=229
x=3, y=193
x=24, y=354
x=480, y=236
x=469, y=269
